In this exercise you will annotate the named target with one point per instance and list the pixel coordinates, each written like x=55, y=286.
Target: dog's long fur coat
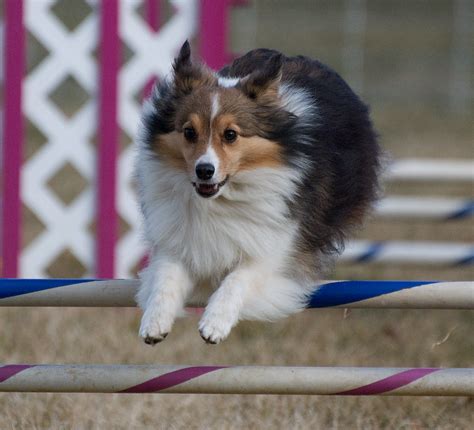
x=249, y=180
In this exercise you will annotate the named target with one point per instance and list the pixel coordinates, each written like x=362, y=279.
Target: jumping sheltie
x=249, y=180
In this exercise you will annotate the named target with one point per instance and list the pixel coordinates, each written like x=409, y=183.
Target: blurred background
x=411, y=61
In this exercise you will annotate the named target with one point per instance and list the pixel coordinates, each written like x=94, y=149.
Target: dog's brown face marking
x=223, y=122
x=212, y=131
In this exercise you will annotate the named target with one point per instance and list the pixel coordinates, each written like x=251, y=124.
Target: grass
x=313, y=338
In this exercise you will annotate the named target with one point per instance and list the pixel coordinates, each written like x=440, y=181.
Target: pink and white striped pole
x=357, y=381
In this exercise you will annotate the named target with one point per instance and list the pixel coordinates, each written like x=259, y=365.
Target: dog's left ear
x=264, y=81
x=189, y=76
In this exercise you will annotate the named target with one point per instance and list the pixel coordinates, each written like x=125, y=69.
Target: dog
x=249, y=180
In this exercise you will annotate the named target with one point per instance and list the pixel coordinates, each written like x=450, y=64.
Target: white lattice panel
x=67, y=139
x=153, y=54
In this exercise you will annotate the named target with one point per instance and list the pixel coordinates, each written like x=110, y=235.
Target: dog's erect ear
x=264, y=81
x=189, y=76
x=183, y=60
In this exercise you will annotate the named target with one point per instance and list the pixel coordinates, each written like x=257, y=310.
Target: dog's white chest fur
x=249, y=221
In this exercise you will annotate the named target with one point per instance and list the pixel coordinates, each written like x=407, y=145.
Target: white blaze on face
x=214, y=105
x=210, y=155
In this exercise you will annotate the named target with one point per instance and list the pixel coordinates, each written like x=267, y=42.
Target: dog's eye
x=230, y=135
x=190, y=134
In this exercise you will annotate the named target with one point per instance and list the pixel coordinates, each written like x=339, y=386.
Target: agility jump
x=355, y=381
x=346, y=294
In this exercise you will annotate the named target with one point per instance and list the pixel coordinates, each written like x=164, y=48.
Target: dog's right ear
x=264, y=81
x=189, y=76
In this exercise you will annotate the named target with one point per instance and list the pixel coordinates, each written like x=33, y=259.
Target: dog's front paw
x=215, y=328
x=155, y=326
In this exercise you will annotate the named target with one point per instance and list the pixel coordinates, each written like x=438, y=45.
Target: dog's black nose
x=205, y=171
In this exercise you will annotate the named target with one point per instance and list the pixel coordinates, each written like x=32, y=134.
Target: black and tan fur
x=291, y=116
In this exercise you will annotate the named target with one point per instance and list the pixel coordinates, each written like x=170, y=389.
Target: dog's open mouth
x=208, y=190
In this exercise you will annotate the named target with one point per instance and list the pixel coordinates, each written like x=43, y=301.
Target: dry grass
x=316, y=338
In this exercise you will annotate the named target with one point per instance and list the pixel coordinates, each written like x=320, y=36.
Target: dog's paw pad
x=152, y=337
x=149, y=340
x=154, y=329
x=214, y=332
x=208, y=340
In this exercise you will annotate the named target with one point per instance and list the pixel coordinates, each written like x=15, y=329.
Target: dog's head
x=212, y=127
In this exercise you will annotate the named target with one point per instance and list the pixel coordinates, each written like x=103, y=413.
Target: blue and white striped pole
x=350, y=294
